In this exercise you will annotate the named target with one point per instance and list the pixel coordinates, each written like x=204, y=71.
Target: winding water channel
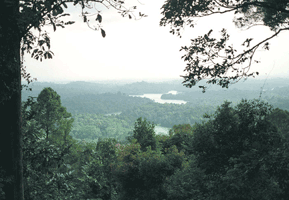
x=157, y=98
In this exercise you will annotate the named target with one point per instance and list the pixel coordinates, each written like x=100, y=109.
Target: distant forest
x=107, y=111
x=97, y=98
x=104, y=146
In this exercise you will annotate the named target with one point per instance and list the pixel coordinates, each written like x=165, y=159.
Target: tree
x=47, y=164
x=211, y=58
x=142, y=174
x=17, y=18
x=144, y=133
x=187, y=183
x=281, y=119
x=101, y=181
x=50, y=114
x=238, y=150
x=180, y=136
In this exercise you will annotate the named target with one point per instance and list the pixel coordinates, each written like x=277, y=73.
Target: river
x=157, y=98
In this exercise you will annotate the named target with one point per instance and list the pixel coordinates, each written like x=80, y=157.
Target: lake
x=157, y=98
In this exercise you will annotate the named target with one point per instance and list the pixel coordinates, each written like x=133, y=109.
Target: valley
x=110, y=110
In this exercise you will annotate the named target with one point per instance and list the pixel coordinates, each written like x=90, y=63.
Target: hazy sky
x=140, y=49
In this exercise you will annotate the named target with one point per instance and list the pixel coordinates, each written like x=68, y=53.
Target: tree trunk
x=10, y=101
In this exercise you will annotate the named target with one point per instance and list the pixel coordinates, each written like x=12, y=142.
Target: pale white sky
x=140, y=49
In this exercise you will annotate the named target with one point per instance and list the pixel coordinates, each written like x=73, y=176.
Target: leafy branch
x=208, y=58
x=37, y=14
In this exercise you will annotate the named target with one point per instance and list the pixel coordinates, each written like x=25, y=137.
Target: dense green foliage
x=234, y=156
x=91, y=99
x=142, y=174
x=46, y=159
x=82, y=88
x=167, y=114
x=94, y=127
x=102, y=103
x=144, y=134
x=50, y=115
x=239, y=152
x=280, y=118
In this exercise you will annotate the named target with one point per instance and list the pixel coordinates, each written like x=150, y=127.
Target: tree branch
x=263, y=41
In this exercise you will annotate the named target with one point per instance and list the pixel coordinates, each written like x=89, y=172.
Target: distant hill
x=82, y=87
x=82, y=97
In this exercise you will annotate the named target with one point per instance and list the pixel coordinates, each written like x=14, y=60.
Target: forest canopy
x=235, y=149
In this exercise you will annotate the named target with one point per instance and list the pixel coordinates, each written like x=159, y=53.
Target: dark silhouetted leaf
x=103, y=33
x=65, y=14
x=99, y=18
x=60, y=25
x=34, y=52
x=210, y=31
x=59, y=10
x=69, y=23
x=54, y=12
x=41, y=42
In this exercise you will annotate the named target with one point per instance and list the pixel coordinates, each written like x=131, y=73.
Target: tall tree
x=17, y=18
x=211, y=58
x=50, y=114
x=145, y=134
x=46, y=169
